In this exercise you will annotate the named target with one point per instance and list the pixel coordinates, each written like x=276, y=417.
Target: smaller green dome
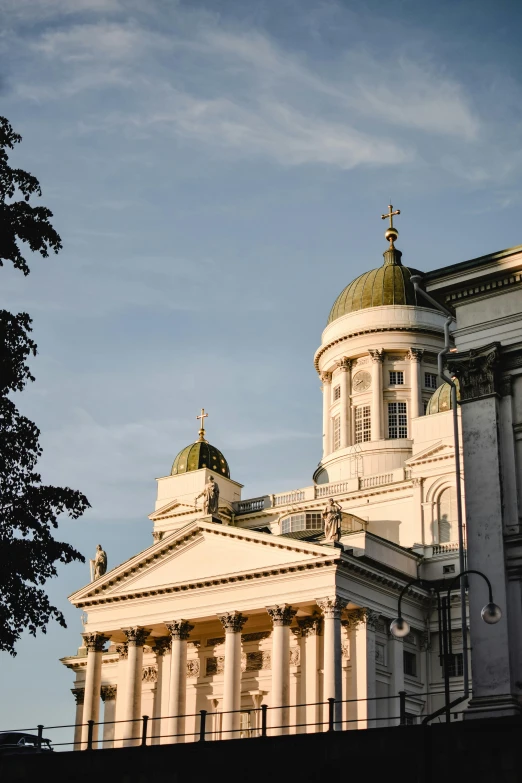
x=200, y=455
x=440, y=400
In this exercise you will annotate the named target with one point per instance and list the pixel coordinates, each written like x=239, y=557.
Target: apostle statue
x=99, y=564
x=332, y=516
x=210, y=497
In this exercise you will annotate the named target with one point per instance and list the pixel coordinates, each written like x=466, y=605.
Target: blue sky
x=217, y=173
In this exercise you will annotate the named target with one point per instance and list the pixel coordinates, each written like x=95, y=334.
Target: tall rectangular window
x=337, y=392
x=397, y=420
x=455, y=665
x=430, y=380
x=363, y=424
x=336, y=433
x=410, y=663
x=396, y=378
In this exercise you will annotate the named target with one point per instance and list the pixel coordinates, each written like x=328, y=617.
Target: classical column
x=346, y=427
x=415, y=357
x=232, y=623
x=135, y=640
x=396, y=664
x=78, y=694
x=108, y=695
x=311, y=628
x=326, y=380
x=377, y=357
x=364, y=685
x=91, y=704
x=179, y=632
x=332, y=663
x=161, y=647
x=282, y=617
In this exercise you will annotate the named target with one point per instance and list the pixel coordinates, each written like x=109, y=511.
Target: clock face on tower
x=361, y=381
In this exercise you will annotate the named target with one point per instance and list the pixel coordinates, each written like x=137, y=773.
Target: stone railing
x=287, y=498
x=324, y=490
x=375, y=481
x=250, y=506
x=451, y=546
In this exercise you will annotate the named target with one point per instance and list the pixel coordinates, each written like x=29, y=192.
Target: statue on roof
x=332, y=516
x=99, y=564
x=210, y=497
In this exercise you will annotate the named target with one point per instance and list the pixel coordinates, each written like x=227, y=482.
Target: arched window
x=447, y=515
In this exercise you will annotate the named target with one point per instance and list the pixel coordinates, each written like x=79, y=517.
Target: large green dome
x=389, y=284
x=440, y=400
x=200, y=455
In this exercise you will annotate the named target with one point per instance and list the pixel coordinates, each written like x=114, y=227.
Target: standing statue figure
x=210, y=497
x=332, y=516
x=99, y=564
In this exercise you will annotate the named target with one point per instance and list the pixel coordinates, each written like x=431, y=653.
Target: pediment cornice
x=434, y=453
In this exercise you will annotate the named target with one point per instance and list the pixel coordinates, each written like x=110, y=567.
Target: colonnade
x=309, y=629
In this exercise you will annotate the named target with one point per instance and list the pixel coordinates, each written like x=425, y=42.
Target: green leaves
x=29, y=511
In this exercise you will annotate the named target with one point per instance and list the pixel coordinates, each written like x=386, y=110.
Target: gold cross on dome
x=202, y=416
x=390, y=214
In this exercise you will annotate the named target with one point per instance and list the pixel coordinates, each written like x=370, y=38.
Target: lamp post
x=491, y=614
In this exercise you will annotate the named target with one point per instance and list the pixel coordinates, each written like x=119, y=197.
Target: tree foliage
x=29, y=510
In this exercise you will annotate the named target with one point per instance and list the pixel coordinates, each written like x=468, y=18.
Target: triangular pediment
x=436, y=451
x=199, y=552
x=170, y=509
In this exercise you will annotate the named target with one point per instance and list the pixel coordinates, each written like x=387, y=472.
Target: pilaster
x=377, y=357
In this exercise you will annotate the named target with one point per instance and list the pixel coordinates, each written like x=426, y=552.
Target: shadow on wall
x=385, y=528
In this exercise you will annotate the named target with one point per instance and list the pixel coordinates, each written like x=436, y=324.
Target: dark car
x=20, y=742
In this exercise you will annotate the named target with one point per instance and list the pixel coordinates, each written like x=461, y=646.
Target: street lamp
x=399, y=628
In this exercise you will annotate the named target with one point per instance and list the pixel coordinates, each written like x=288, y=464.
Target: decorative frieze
x=79, y=695
x=179, y=629
x=136, y=636
x=108, y=692
x=254, y=637
x=94, y=642
x=282, y=614
x=295, y=656
x=149, y=674
x=193, y=667
x=477, y=371
x=232, y=622
x=332, y=607
x=215, y=641
x=311, y=625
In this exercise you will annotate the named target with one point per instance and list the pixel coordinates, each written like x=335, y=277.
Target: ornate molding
x=281, y=615
x=79, y=695
x=326, y=377
x=477, y=371
x=356, y=617
x=232, y=622
x=295, y=656
x=162, y=645
x=179, y=630
x=108, y=692
x=123, y=650
x=311, y=625
x=149, y=674
x=193, y=667
x=215, y=641
x=95, y=642
x=157, y=535
x=415, y=354
x=376, y=354
x=136, y=636
x=331, y=607
x=344, y=364
x=257, y=636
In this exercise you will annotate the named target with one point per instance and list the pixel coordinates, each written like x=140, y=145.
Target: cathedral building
x=286, y=599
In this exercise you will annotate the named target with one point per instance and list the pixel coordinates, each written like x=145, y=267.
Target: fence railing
x=209, y=726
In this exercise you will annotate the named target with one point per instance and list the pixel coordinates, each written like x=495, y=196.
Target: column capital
x=505, y=386
x=477, y=371
x=415, y=354
x=179, y=629
x=326, y=377
x=311, y=625
x=162, y=645
x=123, y=650
x=94, y=641
x=232, y=622
x=282, y=614
x=136, y=636
x=360, y=616
x=376, y=355
x=332, y=606
x=344, y=364
x=108, y=692
x=79, y=695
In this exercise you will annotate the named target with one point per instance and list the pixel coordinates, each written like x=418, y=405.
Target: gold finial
x=202, y=416
x=391, y=233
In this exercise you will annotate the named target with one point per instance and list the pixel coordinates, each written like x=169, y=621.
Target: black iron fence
x=208, y=726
